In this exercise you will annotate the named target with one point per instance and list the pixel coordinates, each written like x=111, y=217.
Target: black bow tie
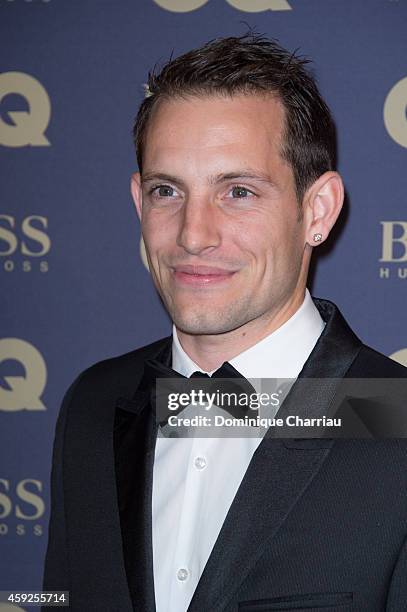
x=224, y=380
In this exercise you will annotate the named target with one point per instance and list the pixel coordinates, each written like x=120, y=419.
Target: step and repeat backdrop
x=74, y=285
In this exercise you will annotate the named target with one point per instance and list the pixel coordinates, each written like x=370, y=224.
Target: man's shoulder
x=120, y=374
x=366, y=362
x=370, y=363
x=128, y=360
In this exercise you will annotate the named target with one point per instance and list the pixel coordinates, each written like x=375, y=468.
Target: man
x=236, y=187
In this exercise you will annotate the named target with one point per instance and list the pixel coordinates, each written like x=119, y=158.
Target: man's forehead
x=241, y=127
x=217, y=114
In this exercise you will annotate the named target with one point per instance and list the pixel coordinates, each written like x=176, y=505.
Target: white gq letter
x=180, y=6
x=143, y=254
x=24, y=392
x=400, y=356
x=248, y=6
x=256, y=6
x=394, y=112
x=29, y=126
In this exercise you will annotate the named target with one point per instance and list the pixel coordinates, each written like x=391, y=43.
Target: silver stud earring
x=317, y=237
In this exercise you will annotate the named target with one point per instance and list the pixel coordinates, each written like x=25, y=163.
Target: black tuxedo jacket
x=316, y=524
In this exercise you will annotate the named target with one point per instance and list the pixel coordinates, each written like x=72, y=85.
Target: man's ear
x=323, y=203
x=135, y=188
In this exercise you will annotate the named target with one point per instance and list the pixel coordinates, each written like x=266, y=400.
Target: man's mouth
x=196, y=275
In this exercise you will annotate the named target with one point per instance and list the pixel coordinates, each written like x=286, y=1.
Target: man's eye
x=240, y=192
x=163, y=191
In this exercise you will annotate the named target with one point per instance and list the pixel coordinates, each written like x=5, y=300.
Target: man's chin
x=204, y=323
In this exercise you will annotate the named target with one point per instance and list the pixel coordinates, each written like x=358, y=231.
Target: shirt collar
x=281, y=354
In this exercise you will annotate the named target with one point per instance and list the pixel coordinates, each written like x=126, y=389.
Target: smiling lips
x=201, y=275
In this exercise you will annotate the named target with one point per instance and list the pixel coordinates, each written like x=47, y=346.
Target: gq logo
x=23, y=392
x=394, y=112
x=248, y=6
x=34, y=242
x=26, y=128
x=23, y=502
x=400, y=356
x=143, y=254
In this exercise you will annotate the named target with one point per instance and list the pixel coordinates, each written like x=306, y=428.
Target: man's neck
x=209, y=352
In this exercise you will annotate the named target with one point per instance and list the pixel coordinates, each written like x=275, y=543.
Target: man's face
x=219, y=212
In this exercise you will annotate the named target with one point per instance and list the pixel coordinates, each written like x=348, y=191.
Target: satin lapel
x=329, y=362
x=135, y=433
x=279, y=473
x=134, y=441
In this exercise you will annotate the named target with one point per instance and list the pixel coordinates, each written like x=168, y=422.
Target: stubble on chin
x=208, y=320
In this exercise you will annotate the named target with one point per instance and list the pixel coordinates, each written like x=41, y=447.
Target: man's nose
x=199, y=226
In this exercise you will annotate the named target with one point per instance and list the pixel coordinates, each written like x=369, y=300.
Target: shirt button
x=182, y=574
x=200, y=463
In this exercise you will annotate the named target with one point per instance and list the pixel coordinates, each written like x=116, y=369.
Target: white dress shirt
x=196, y=479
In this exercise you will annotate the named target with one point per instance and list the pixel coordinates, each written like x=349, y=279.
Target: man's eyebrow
x=243, y=174
x=213, y=180
x=159, y=176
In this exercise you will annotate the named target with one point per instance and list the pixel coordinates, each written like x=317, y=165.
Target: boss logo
x=24, y=504
x=394, y=249
x=394, y=241
x=28, y=238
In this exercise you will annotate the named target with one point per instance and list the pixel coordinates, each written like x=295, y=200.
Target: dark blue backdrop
x=74, y=288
